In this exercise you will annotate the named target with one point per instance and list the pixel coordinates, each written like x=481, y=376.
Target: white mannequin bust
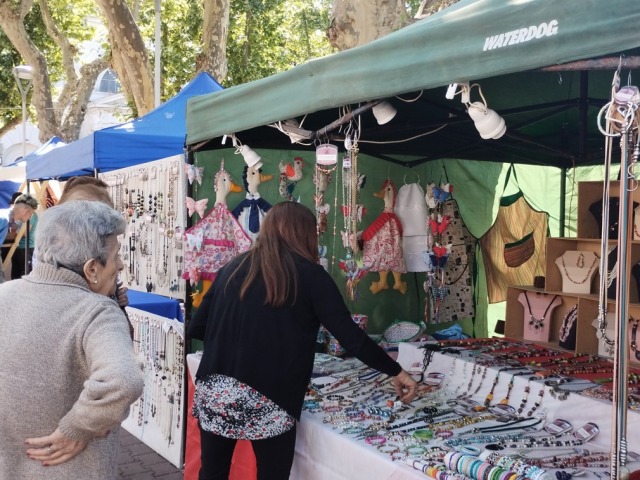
x=577, y=269
x=538, y=309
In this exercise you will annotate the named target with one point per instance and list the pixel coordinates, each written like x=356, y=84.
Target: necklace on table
x=538, y=323
x=579, y=264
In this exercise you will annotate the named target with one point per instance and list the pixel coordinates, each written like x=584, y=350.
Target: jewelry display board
x=156, y=417
x=151, y=196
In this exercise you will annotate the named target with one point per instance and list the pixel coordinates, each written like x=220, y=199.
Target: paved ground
x=136, y=461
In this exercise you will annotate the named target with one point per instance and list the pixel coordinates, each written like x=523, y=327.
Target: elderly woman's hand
x=405, y=386
x=54, y=449
x=121, y=295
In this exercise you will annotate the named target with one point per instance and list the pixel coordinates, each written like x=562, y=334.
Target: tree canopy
x=68, y=44
x=261, y=38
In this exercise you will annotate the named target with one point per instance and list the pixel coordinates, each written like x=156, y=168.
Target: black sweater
x=272, y=349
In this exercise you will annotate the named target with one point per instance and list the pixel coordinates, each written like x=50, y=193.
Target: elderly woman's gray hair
x=71, y=233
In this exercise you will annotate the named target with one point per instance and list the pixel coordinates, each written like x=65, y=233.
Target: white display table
x=322, y=452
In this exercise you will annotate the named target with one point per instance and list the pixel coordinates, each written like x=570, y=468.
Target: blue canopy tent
x=158, y=134
x=7, y=189
x=50, y=145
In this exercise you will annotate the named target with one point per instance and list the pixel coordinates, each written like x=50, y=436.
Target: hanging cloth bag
x=513, y=248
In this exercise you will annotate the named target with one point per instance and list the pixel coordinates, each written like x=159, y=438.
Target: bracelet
x=334, y=397
x=469, y=450
x=423, y=434
x=415, y=450
x=332, y=408
x=375, y=440
x=353, y=430
x=388, y=449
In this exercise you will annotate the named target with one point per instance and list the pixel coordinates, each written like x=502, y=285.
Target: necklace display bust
x=538, y=310
x=577, y=269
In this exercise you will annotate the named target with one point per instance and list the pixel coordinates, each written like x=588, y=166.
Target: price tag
x=433, y=378
x=558, y=427
x=587, y=432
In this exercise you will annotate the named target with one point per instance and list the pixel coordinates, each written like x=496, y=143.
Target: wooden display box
x=588, y=240
x=557, y=246
x=515, y=319
x=589, y=193
x=586, y=339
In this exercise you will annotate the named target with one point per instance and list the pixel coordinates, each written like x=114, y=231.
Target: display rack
x=156, y=417
x=588, y=240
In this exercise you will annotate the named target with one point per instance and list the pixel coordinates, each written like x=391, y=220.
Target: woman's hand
x=121, y=295
x=405, y=386
x=54, y=449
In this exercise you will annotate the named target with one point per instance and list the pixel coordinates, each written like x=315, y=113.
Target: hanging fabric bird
x=383, y=244
x=251, y=211
x=292, y=172
x=222, y=236
x=289, y=176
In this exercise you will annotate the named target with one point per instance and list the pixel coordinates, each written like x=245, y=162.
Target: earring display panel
x=151, y=198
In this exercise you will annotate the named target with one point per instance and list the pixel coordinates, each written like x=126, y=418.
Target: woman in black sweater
x=259, y=322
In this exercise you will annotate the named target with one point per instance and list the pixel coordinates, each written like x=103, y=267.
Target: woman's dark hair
x=289, y=228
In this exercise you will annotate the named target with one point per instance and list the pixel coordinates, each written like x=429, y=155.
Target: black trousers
x=274, y=456
x=17, y=263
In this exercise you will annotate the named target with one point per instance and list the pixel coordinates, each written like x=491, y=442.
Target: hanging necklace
x=634, y=344
x=568, y=322
x=579, y=264
x=538, y=323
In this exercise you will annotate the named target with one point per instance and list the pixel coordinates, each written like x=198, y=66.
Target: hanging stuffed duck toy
x=251, y=211
x=289, y=176
x=215, y=240
x=383, y=244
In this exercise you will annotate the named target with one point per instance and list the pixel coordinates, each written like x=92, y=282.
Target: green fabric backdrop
x=478, y=187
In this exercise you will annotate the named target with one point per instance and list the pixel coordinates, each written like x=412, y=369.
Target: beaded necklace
x=634, y=345
x=567, y=323
x=525, y=397
x=579, y=264
x=538, y=323
x=537, y=403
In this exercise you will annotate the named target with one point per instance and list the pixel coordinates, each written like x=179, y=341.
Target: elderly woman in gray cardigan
x=68, y=373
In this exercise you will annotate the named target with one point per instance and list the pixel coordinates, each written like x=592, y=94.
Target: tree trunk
x=77, y=104
x=13, y=27
x=215, y=32
x=130, y=59
x=429, y=7
x=356, y=22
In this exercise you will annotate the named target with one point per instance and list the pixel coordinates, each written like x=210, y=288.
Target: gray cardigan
x=66, y=360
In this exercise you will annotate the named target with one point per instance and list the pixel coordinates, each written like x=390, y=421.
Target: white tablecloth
x=323, y=453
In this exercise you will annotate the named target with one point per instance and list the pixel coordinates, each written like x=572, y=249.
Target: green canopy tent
x=519, y=52
x=546, y=66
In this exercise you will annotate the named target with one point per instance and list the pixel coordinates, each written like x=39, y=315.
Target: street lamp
x=24, y=76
